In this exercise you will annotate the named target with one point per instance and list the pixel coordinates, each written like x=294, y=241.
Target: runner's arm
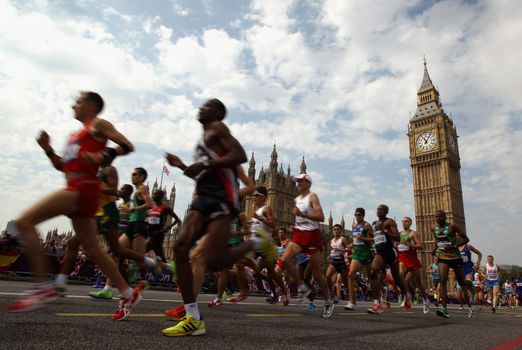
x=112, y=180
x=369, y=236
x=269, y=221
x=394, y=232
x=109, y=131
x=318, y=215
x=417, y=244
x=176, y=218
x=144, y=192
x=462, y=238
x=478, y=252
x=44, y=141
x=250, y=187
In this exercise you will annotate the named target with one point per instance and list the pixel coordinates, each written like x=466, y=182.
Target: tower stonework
x=435, y=163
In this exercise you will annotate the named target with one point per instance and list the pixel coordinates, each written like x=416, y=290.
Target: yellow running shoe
x=187, y=326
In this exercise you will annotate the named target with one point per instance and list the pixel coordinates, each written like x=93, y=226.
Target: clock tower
x=435, y=163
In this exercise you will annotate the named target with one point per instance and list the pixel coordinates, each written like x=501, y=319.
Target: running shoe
x=141, y=286
x=237, y=298
x=215, y=303
x=461, y=307
x=103, y=294
x=442, y=312
x=187, y=326
x=272, y=299
x=425, y=306
x=125, y=306
x=176, y=313
x=303, y=293
x=376, y=309
x=328, y=309
x=350, y=306
x=33, y=299
x=407, y=302
x=61, y=288
x=493, y=309
x=286, y=297
x=311, y=307
x=470, y=312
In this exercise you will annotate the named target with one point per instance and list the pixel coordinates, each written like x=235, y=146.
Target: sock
x=107, y=287
x=193, y=310
x=61, y=278
x=149, y=262
x=127, y=293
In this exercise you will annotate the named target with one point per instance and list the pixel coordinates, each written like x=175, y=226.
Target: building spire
x=273, y=159
x=252, y=168
x=303, y=166
x=426, y=84
x=330, y=221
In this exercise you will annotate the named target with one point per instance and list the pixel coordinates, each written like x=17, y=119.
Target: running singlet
x=157, y=218
x=518, y=282
x=337, y=248
x=124, y=217
x=104, y=198
x=465, y=253
x=507, y=288
x=78, y=143
x=256, y=224
x=359, y=243
x=491, y=272
x=446, y=243
x=382, y=243
x=304, y=224
x=219, y=183
x=403, y=248
x=138, y=215
x=476, y=281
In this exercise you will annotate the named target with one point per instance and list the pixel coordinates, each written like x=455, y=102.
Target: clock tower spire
x=435, y=164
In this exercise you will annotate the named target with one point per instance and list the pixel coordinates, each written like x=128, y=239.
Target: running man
x=306, y=238
x=211, y=212
x=384, y=234
x=362, y=252
x=448, y=237
x=492, y=281
x=409, y=263
x=84, y=152
x=156, y=219
x=337, y=266
x=469, y=267
x=518, y=292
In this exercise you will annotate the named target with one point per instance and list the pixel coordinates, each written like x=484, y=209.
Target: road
x=78, y=322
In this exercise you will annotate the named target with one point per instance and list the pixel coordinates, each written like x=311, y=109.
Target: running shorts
x=411, y=261
x=88, y=189
x=362, y=255
x=389, y=255
x=452, y=263
x=491, y=283
x=212, y=207
x=311, y=242
x=110, y=218
x=137, y=228
x=339, y=265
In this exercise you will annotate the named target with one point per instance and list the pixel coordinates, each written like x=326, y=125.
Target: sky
x=334, y=81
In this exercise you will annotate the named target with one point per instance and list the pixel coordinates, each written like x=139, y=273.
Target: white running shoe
x=350, y=306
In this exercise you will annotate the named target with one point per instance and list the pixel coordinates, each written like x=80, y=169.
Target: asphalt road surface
x=77, y=322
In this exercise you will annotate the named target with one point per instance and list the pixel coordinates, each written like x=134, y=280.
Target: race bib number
x=403, y=247
x=444, y=245
x=70, y=152
x=465, y=258
x=379, y=239
x=154, y=220
x=357, y=241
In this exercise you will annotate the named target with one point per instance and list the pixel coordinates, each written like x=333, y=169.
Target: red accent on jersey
x=79, y=143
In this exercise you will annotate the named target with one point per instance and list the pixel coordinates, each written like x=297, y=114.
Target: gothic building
x=435, y=163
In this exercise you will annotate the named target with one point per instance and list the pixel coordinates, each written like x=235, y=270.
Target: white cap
x=302, y=177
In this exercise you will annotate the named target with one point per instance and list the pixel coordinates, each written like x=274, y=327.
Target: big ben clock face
x=426, y=141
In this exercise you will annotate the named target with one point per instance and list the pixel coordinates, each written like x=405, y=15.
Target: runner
x=469, y=268
x=337, y=266
x=492, y=282
x=434, y=270
x=362, y=252
x=306, y=238
x=156, y=219
x=449, y=237
x=84, y=152
x=211, y=212
x=478, y=282
x=508, y=292
x=384, y=234
x=518, y=283
x=409, y=263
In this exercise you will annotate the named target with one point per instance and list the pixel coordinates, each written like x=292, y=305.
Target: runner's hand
x=174, y=160
x=44, y=141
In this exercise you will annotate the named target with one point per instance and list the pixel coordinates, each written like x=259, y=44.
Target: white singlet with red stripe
x=303, y=204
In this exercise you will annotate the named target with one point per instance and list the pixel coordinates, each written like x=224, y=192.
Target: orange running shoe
x=176, y=313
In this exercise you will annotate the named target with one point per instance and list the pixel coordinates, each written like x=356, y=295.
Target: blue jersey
x=435, y=271
x=465, y=253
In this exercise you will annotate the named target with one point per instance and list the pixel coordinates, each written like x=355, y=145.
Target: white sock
x=127, y=293
x=149, y=262
x=61, y=278
x=193, y=310
x=107, y=287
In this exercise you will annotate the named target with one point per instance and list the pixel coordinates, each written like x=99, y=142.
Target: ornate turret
x=428, y=100
x=303, y=166
x=252, y=168
x=172, y=197
x=330, y=221
x=155, y=186
x=273, y=159
x=343, y=224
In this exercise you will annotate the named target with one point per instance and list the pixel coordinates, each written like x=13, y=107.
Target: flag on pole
x=166, y=170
